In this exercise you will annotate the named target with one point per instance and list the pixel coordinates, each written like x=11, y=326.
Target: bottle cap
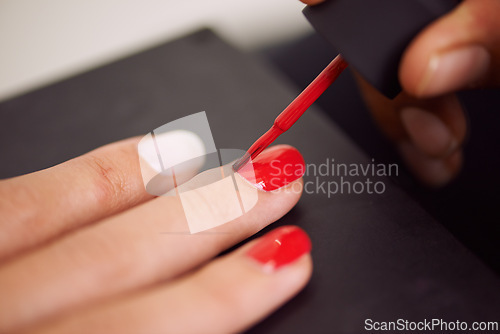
x=373, y=34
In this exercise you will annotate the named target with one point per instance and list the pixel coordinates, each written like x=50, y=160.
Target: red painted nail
x=280, y=247
x=274, y=168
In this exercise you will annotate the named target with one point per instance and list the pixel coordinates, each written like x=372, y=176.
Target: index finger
x=45, y=204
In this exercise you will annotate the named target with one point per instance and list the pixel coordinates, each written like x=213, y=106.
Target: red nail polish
x=280, y=247
x=274, y=168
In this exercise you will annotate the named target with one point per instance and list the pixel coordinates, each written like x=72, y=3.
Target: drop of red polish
x=274, y=168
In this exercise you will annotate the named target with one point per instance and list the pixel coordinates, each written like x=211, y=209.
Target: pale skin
x=427, y=122
x=127, y=266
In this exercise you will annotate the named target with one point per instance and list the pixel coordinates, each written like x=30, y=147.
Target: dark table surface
x=379, y=257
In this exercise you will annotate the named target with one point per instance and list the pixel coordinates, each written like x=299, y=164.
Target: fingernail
x=453, y=70
x=280, y=247
x=433, y=172
x=428, y=132
x=274, y=168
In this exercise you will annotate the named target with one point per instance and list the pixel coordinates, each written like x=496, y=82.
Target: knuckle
x=109, y=182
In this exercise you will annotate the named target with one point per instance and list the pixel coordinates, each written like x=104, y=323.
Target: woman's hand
x=85, y=248
x=459, y=51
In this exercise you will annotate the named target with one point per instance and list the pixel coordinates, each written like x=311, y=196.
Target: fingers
x=427, y=132
x=226, y=296
x=431, y=171
x=459, y=51
x=41, y=205
x=142, y=246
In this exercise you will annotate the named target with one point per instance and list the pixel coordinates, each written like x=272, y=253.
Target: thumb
x=459, y=51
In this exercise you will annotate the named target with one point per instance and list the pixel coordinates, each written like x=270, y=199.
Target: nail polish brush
x=295, y=110
x=371, y=35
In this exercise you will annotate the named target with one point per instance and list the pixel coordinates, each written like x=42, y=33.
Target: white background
x=42, y=41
